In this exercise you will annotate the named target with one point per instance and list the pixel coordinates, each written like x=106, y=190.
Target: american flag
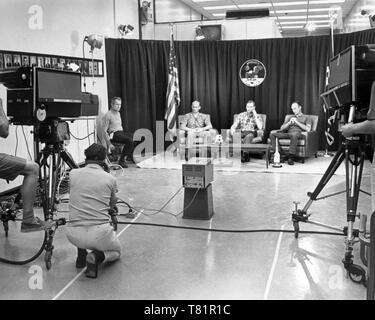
x=173, y=92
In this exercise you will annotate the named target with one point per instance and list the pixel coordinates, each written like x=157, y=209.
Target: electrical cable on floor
x=27, y=145
x=120, y=202
x=22, y=262
x=230, y=230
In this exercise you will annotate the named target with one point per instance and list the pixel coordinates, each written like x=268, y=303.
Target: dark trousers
x=293, y=136
x=248, y=136
x=127, y=141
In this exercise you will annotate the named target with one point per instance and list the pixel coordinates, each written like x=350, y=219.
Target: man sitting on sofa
x=292, y=130
x=196, y=124
x=248, y=122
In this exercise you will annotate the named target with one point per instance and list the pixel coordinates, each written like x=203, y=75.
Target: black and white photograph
x=25, y=61
x=40, y=62
x=54, y=63
x=47, y=62
x=16, y=60
x=187, y=157
x=33, y=61
x=8, y=62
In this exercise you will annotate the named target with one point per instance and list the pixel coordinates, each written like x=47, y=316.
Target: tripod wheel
x=357, y=274
x=296, y=229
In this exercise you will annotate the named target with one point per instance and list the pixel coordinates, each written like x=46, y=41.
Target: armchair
x=307, y=145
x=202, y=139
x=260, y=133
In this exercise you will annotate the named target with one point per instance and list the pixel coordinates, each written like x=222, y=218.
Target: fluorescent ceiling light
x=219, y=14
x=301, y=26
x=303, y=21
x=289, y=3
x=220, y=7
x=300, y=10
x=358, y=24
x=303, y=17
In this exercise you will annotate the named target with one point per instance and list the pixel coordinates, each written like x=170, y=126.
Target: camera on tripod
x=45, y=98
x=352, y=73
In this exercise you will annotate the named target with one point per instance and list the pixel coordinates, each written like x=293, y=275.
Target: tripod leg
x=335, y=163
x=68, y=159
x=353, y=183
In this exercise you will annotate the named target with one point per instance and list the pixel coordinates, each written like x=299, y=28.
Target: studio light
x=310, y=27
x=125, y=29
x=94, y=40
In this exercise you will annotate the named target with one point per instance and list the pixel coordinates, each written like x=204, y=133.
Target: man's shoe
x=36, y=225
x=290, y=161
x=130, y=158
x=93, y=260
x=81, y=258
x=123, y=164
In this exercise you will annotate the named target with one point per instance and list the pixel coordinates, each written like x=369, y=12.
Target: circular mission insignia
x=252, y=73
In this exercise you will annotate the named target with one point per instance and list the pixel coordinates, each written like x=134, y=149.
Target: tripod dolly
x=352, y=151
x=50, y=160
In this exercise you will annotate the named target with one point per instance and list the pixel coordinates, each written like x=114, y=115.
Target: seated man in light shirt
x=112, y=124
x=248, y=123
x=197, y=124
x=292, y=130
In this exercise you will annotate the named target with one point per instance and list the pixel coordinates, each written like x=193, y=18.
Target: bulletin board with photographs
x=14, y=59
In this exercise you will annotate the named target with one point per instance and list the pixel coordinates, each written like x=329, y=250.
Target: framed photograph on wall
x=25, y=61
x=8, y=60
x=95, y=68
x=91, y=68
x=61, y=63
x=80, y=63
x=54, y=63
x=100, y=68
x=33, y=61
x=1, y=61
x=16, y=60
x=47, y=62
x=85, y=68
x=41, y=62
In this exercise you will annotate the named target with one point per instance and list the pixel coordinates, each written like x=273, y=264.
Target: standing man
x=10, y=168
x=112, y=125
x=248, y=123
x=91, y=207
x=292, y=129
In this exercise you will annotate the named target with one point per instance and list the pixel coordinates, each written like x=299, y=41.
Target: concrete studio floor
x=167, y=263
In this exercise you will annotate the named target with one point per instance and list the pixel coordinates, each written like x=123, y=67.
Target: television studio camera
x=351, y=94
x=46, y=99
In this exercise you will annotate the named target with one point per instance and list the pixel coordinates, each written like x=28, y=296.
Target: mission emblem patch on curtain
x=252, y=73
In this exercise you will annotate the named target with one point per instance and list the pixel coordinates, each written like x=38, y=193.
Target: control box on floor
x=197, y=175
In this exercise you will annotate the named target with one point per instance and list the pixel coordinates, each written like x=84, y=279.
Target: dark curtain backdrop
x=137, y=71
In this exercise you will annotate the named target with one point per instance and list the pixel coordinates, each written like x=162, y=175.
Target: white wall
x=259, y=28
x=185, y=20
x=58, y=27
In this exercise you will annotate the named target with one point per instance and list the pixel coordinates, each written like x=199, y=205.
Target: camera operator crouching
x=92, y=203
